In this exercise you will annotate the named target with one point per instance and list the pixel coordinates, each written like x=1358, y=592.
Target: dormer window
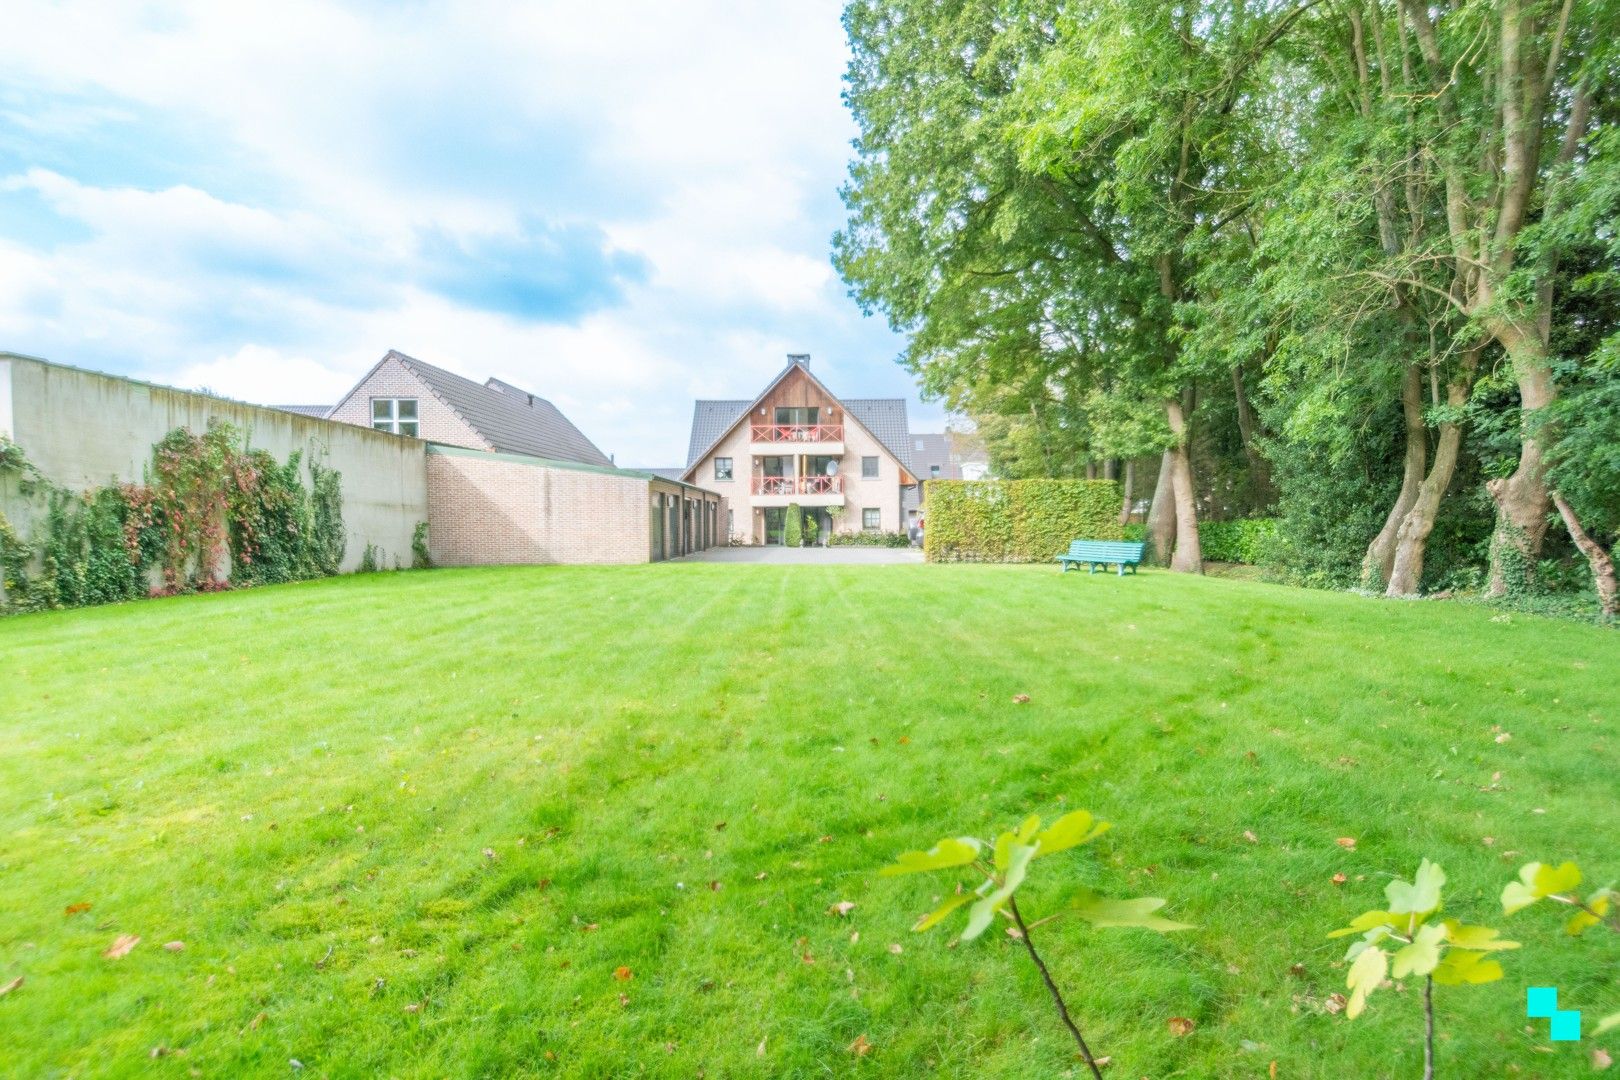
x=395, y=415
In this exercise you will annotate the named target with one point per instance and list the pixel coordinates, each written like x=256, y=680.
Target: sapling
x=1406, y=939
x=1538, y=881
x=1004, y=870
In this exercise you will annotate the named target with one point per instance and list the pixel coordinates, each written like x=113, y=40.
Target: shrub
x=421, y=557
x=793, y=528
x=1246, y=541
x=869, y=539
x=1017, y=520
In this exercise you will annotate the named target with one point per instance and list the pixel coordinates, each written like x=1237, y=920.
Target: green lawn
x=410, y=825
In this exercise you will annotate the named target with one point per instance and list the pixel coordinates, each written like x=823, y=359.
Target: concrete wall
x=83, y=429
x=489, y=509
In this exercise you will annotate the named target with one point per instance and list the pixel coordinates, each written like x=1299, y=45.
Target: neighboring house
x=404, y=396
x=799, y=443
x=949, y=455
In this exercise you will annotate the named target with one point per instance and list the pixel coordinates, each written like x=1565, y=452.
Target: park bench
x=1121, y=553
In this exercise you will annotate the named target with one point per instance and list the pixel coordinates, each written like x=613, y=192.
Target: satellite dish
x=832, y=468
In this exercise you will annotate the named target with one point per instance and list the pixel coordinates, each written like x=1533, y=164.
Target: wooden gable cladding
x=797, y=390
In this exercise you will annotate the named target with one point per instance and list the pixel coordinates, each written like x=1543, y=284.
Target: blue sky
x=621, y=205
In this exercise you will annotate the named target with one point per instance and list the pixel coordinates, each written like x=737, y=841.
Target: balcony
x=804, y=490
x=780, y=439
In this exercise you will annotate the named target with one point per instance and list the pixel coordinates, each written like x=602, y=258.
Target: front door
x=775, y=523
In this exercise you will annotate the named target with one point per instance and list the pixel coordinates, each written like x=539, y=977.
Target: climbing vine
x=211, y=513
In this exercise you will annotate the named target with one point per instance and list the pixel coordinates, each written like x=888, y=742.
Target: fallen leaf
x=1020, y=699
x=157, y=1052
x=1339, y=879
x=12, y=985
x=1250, y=837
x=623, y=974
x=489, y=853
x=761, y=876
x=120, y=948
x=253, y=1024
x=1297, y=969
x=824, y=840
x=842, y=908
x=1346, y=842
x=905, y=740
x=1180, y=1025
x=719, y=826
x=415, y=1006
x=76, y=909
x=544, y=884
x=1015, y=933
x=1334, y=1004
x=808, y=959
x=624, y=1001
x=1271, y=1070
x=1601, y=1059
x=589, y=927
x=759, y=1051
x=896, y=949
x=860, y=1047
x=175, y=946
x=1102, y=1062
x=1504, y=737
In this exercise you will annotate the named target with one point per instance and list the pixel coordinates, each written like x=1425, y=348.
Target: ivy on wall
x=1016, y=520
x=211, y=513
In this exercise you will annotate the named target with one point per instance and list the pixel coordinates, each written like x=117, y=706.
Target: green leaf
x=1070, y=830
x=1423, y=953
x=1419, y=896
x=1537, y=880
x=1462, y=966
x=1482, y=938
x=1365, y=975
x=985, y=910
x=1101, y=912
x=953, y=851
x=1364, y=922
x=935, y=917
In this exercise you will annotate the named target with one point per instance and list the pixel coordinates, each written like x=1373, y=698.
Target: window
x=933, y=472
x=798, y=416
x=869, y=468
x=722, y=468
x=871, y=518
x=397, y=415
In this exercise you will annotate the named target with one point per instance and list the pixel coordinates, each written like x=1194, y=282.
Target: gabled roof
x=305, y=410
x=885, y=418
x=511, y=420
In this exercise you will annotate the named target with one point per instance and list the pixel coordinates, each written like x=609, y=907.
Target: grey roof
x=711, y=420
x=885, y=418
x=513, y=420
x=674, y=472
x=305, y=410
x=934, y=448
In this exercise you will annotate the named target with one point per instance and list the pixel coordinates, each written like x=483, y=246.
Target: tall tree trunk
x=1188, y=557
x=1248, y=428
x=1406, y=573
x=1522, y=499
x=1130, y=482
x=1091, y=470
x=1601, y=561
x=1110, y=468
x=1161, y=519
x=1379, y=561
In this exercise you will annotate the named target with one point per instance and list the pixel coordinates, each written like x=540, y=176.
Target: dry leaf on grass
x=1601, y=1059
x=860, y=1047
x=896, y=949
x=1339, y=879
x=842, y=908
x=1180, y=1025
x=12, y=985
x=175, y=946
x=1020, y=699
x=623, y=973
x=120, y=948
x=1334, y=1005
x=1250, y=837
x=1346, y=842
x=76, y=909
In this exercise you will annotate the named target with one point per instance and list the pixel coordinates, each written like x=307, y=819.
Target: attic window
x=395, y=415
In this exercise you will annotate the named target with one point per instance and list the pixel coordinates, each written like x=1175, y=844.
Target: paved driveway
x=823, y=556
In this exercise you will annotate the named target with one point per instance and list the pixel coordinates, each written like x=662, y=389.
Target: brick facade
x=500, y=509
x=437, y=421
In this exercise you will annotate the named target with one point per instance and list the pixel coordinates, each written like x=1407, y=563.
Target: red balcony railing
x=774, y=433
x=798, y=485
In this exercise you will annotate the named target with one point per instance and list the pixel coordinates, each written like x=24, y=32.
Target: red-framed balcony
x=798, y=485
x=796, y=433
x=775, y=440
x=804, y=490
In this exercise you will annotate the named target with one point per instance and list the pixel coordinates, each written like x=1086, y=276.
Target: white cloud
x=317, y=144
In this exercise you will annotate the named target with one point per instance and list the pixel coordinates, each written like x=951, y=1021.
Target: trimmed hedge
x=1016, y=520
x=1244, y=541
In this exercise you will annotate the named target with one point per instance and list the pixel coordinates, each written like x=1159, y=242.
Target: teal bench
x=1121, y=553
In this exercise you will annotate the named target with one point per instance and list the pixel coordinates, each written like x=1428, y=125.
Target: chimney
x=800, y=358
